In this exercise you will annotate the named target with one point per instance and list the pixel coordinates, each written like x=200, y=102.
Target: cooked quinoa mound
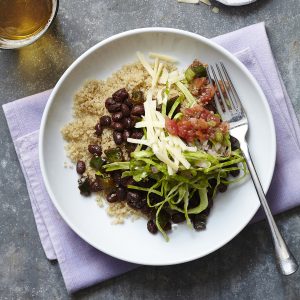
x=89, y=106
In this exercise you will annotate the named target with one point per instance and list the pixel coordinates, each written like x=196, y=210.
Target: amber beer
x=24, y=19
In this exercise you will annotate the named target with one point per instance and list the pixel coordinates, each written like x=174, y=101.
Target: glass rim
x=7, y=44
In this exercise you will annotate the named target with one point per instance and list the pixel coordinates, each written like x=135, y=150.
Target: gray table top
x=245, y=267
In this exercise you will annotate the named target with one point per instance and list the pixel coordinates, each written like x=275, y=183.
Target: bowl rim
x=115, y=37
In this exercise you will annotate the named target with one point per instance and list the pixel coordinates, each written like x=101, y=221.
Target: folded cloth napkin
x=81, y=264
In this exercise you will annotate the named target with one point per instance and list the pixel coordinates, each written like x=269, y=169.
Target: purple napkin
x=81, y=264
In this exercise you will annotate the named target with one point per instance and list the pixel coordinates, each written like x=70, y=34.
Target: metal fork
x=231, y=110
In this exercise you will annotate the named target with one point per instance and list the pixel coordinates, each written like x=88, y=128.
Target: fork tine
x=219, y=89
x=219, y=108
x=237, y=101
x=228, y=93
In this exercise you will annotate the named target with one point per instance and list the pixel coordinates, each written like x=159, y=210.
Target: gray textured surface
x=243, y=269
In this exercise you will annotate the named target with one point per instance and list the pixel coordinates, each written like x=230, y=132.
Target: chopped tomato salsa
x=202, y=90
x=197, y=123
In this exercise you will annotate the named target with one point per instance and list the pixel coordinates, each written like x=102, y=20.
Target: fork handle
x=285, y=259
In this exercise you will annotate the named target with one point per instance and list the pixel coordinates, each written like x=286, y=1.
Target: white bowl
x=131, y=241
x=236, y=2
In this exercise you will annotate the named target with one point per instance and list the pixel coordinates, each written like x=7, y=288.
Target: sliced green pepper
x=137, y=97
x=189, y=74
x=114, y=154
x=200, y=71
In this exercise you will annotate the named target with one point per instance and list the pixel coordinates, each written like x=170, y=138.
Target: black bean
x=117, y=126
x=95, y=186
x=151, y=226
x=125, y=110
x=235, y=144
x=168, y=226
x=222, y=187
x=134, y=199
x=120, y=95
x=210, y=193
x=143, y=201
x=127, y=123
x=133, y=195
x=109, y=102
x=146, y=210
x=128, y=180
x=84, y=186
x=138, y=110
x=95, y=149
x=121, y=193
x=114, y=107
x=235, y=173
x=105, y=121
x=210, y=203
x=130, y=148
x=128, y=103
x=194, y=201
x=213, y=182
x=137, y=134
x=126, y=135
x=112, y=197
x=147, y=182
x=118, y=116
x=118, y=137
x=163, y=218
x=199, y=222
x=116, y=176
x=98, y=129
x=134, y=120
x=80, y=167
x=178, y=218
x=154, y=198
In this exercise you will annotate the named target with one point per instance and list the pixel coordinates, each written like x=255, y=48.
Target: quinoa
x=88, y=107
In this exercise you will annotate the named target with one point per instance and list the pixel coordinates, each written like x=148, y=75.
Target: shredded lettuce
x=176, y=190
x=190, y=98
x=175, y=105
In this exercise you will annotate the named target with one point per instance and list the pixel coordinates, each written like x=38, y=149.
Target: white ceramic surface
x=131, y=242
x=236, y=2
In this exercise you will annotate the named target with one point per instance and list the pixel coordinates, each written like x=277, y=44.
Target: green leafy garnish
x=176, y=190
x=96, y=163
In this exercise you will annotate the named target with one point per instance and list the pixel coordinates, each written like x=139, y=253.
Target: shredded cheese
x=159, y=96
x=162, y=57
x=215, y=10
x=145, y=63
x=167, y=148
x=156, y=76
x=164, y=76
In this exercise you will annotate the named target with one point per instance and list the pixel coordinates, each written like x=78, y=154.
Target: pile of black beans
x=124, y=113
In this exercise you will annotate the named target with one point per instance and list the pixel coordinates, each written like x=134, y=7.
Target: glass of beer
x=24, y=21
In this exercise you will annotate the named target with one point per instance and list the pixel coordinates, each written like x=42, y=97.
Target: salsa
x=197, y=123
